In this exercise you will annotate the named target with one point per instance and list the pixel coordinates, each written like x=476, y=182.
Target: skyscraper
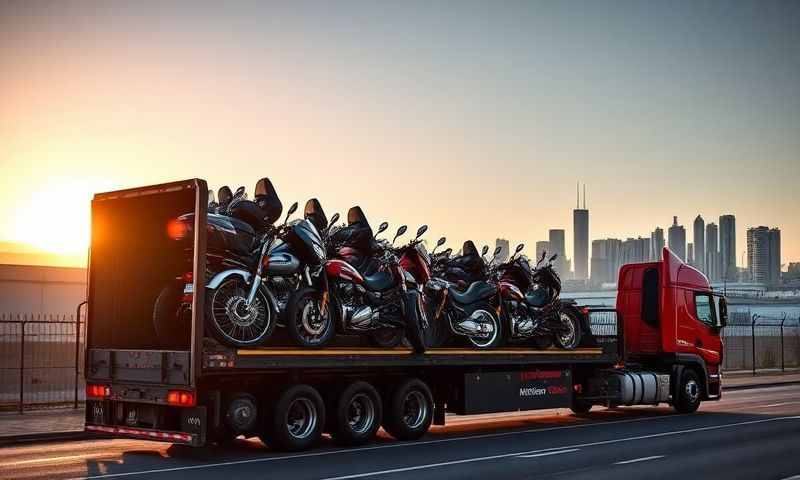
x=504, y=250
x=635, y=250
x=758, y=254
x=699, y=233
x=557, y=247
x=606, y=260
x=677, y=239
x=727, y=247
x=580, y=223
x=656, y=244
x=542, y=246
x=774, y=261
x=690, y=253
x=712, y=252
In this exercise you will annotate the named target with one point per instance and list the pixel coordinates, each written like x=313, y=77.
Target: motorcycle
x=470, y=312
x=385, y=305
x=241, y=310
x=531, y=304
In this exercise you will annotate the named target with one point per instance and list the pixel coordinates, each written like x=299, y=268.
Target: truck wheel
x=357, y=415
x=307, y=326
x=569, y=338
x=297, y=419
x=689, y=392
x=484, y=313
x=234, y=324
x=580, y=407
x=409, y=410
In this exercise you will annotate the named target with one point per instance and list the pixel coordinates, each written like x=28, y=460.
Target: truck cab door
x=702, y=308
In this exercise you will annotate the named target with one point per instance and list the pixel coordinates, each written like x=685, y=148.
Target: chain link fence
x=41, y=360
x=761, y=342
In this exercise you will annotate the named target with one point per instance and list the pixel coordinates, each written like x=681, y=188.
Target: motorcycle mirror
x=292, y=209
x=400, y=231
x=497, y=251
x=544, y=254
x=555, y=255
x=441, y=241
x=447, y=251
x=484, y=250
x=334, y=219
x=421, y=230
x=382, y=228
x=519, y=248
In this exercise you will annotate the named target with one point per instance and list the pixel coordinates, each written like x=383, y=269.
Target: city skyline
x=98, y=98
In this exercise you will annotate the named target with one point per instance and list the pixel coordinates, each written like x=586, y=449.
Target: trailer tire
x=356, y=415
x=689, y=392
x=409, y=410
x=297, y=419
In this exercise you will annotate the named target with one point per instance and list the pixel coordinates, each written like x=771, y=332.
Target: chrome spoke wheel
x=236, y=320
x=489, y=329
x=568, y=335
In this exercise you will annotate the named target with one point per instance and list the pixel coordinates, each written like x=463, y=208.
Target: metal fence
x=761, y=342
x=41, y=360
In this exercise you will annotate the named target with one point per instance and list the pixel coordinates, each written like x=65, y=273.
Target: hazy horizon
x=475, y=119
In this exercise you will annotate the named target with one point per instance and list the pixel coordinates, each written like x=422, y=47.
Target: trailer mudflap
x=492, y=392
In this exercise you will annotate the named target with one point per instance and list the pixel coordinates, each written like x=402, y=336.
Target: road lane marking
x=637, y=460
x=776, y=404
x=57, y=459
x=544, y=454
x=584, y=445
x=427, y=442
x=392, y=445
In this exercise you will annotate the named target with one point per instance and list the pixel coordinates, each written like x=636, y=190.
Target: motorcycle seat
x=476, y=291
x=537, y=297
x=379, y=281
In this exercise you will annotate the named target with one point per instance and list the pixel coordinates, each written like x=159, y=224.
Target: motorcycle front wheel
x=569, y=336
x=308, y=325
x=231, y=322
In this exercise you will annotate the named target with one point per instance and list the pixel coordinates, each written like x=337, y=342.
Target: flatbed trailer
x=200, y=392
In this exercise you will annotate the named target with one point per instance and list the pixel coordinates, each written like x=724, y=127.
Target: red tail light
x=97, y=391
x=188, y=277
x=177, y=229
x=181, y=398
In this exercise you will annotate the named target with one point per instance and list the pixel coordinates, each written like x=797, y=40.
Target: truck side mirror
x=723, y=312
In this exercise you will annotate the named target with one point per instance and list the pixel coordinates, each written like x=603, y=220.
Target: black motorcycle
x=531, y=304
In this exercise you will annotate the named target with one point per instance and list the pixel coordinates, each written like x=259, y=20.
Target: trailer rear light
x=181, y=398
x=188, y=277
x=97, y=391
x=177, y=229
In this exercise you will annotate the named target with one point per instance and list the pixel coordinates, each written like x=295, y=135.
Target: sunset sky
x=476, y=118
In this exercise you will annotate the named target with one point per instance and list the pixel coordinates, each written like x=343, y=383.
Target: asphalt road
x=750, y=434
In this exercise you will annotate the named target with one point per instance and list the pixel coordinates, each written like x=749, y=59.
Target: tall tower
x=677, y=239
x=656, y=244
x=712, y=252
x=580, y=223
x=556, y=241
x=774, y=256
x=758, y=254
x=727, y=248
x=699, y=232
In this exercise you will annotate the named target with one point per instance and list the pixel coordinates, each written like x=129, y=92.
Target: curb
x=752, y=386
x=10, y=440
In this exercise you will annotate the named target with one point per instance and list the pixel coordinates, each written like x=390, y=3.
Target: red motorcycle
x=381, y=300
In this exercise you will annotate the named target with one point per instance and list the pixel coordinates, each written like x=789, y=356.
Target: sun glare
x=55, y=219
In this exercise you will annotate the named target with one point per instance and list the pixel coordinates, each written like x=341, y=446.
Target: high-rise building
x=774, y=261
x=677, y=239
x=606, y=260
x=557, y=247
x=656, y=244
x=712, y=252
x=504, y=250
x=580, y=224
x=727, y=247
x=690, y=253
x=699, y=233
x=635, y=250
x=542, y=246
x=758, y=254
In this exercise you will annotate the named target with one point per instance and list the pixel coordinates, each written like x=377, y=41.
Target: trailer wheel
x=297, y=419
x=357, y=414
x=689, y=392
x=409, y=410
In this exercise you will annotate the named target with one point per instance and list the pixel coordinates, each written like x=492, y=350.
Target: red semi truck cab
x=673, y=320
